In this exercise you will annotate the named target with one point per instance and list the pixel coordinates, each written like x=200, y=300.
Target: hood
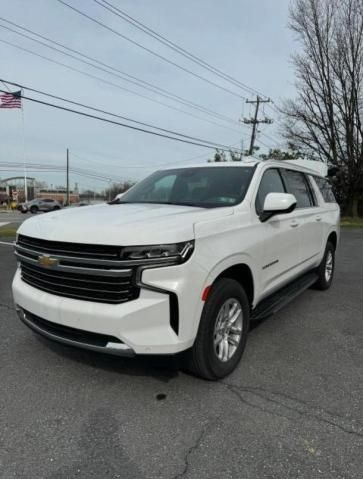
x=123, y=224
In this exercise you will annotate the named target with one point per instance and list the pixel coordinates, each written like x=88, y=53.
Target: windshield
x=206, y=187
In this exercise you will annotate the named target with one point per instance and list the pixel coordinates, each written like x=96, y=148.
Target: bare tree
x=117, y=188
x=325, y=119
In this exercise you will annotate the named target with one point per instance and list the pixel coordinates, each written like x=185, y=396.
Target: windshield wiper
x=180, y=203
x=120, y=201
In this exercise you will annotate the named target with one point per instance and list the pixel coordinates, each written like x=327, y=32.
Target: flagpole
x=25, y=172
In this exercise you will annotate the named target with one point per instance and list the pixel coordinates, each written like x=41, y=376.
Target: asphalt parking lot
x=292, y=409
x=13, y=217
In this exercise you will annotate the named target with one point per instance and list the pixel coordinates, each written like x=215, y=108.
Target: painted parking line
x=3, y=224
x=7, y=243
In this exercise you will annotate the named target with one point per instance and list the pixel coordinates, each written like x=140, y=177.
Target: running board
x=282, y=297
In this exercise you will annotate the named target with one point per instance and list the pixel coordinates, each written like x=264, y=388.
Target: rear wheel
x=222, y=331
x=56, y=208
x=326, y=268
x=33, y=209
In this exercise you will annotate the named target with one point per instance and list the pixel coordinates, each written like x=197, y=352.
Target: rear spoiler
x=318, y=167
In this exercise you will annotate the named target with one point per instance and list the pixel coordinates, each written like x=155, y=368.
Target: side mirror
x=277, y=204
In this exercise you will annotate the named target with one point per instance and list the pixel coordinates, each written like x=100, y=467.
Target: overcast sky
x=248, y=39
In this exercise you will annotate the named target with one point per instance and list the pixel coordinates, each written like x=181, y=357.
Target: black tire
x=33, y=210
x=325, y=279
x=202, y=359
x=56, y=208
x=23, y=211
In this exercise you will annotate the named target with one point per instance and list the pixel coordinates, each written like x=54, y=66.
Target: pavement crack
x=193, y=448
x=237, y=393
x=7, y=306
x=288, y=403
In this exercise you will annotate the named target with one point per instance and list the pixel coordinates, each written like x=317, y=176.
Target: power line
x=205, y=144
x=37, y=169
x=182, y=51
x=152, y=52
x=162, y=165
x=131, y=79
x=102, y=111
x=88, y=160
x=119, y=73
x=173, y=46
x=42, y=167
x=55, y=170
x=107, y=82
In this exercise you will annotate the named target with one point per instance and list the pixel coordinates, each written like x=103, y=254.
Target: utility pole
x=67, y=177
x=109, y=189
x=25, y=184
x=242, y=146
x=255, y=121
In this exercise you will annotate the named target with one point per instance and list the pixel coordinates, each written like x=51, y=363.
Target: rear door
x=328, y=212
x=307, y=216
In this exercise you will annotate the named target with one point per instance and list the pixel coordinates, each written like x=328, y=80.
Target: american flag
x=10, y=100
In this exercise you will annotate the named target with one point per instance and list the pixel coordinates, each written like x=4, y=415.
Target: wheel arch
x=241, y=273
x=333, y=238
x=239, y=268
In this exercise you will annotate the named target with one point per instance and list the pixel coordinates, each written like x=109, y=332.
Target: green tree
x=291, y=153
x=221, y=155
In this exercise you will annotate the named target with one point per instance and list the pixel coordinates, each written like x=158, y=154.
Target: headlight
x=163, y=253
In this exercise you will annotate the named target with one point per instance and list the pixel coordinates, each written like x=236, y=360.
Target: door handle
x=318, y=218
x=294, y=224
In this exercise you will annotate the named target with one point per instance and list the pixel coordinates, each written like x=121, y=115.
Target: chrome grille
x=81, y=271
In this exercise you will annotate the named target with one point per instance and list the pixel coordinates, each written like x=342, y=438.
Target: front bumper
x=74, y=337
x=142, y=325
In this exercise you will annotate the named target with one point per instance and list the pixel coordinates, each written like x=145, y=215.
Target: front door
x=279, y=247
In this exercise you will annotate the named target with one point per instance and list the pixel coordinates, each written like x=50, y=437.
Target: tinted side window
x=296, y=184
x=271, y=183
x=325, y=189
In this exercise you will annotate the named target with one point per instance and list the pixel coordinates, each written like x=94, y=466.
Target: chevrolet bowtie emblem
x=47, y=261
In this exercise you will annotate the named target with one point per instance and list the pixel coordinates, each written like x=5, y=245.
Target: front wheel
x=33, y=210
x=222, y=333
x=326, y=269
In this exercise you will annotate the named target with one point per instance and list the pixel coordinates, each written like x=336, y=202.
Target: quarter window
x=296, y=184
x=325, y=189
x=271, y=183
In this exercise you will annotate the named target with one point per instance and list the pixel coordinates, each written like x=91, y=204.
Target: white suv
x=181, y=262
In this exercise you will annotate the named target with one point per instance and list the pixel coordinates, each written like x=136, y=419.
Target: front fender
x=215, y=272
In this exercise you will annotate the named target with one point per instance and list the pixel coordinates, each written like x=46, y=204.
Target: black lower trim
x=174, y=312
x=73, y=336
x=283, y=296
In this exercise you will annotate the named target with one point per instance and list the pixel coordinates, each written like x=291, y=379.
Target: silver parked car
x=34, y=206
